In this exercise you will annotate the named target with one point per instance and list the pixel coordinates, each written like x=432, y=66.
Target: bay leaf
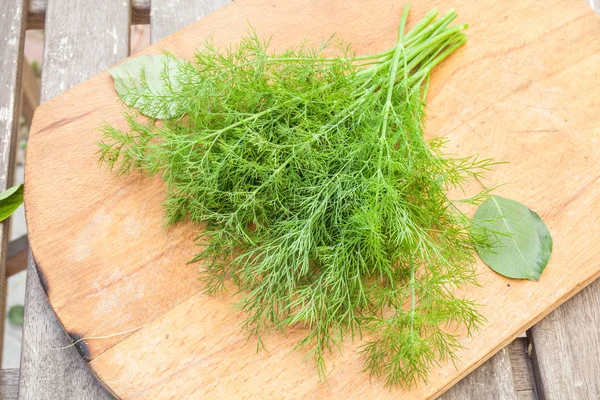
x=519, y=244
x=148, y=83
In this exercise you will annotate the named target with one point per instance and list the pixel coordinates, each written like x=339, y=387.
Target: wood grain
x=81, y=39
x=523, y=92
x=51, y=369
x=140, y=12
x=9, y=384
x=12, y=34
x=169, y=16
x=565, y=349
x=525, y=385
x=507, y=375
x=493, y=380
x=36, y=17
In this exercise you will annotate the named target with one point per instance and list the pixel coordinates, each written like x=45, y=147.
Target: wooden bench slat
x=507, y=375
x=492, y=380
x=167, y=17
x=522, y=369
x=12, y=34
x=140, y=13
x=82, y=38
x=565, y=348
x=9, y=384
x=49, y=369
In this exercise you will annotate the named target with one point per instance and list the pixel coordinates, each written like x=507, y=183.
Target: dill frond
x=322, y=200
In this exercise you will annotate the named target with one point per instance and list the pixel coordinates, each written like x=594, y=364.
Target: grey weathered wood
x=565, y=349
x=492, y=380
x=81, y=39
x=140, y=13
x=522, y=369
x=9, y=384
x=167, y=17
x=48, y=372
x=12, y=34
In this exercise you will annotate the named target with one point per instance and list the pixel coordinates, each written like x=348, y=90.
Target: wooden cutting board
x=525, y=89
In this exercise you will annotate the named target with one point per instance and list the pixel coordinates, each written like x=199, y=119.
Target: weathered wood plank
x=565, y=349
x=522, y=369
x=49, y=369
x=9, y=384
x=167, y=17
x=493, y=380
x=82, y=38
x=12, y=34
x=140, y=13
x=506, y=375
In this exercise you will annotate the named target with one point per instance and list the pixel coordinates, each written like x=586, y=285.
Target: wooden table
x=559, y=359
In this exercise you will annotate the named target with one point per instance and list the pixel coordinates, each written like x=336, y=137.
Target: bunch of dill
x=317, y=193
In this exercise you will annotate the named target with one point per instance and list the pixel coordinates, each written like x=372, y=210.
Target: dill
x=316, y=192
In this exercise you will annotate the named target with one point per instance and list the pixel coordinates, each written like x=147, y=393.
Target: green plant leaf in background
x=10, y=200
x=145, y=82
x=520, y=243
x=16, y=314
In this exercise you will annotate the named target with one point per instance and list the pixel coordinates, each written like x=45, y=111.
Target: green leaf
x=10, y=200
x=16, y=314
x=148, y=83
x=519, y=243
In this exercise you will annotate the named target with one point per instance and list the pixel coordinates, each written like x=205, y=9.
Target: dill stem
x=432, y=29
x=429, y=17
x=413, y=297
x=421, y=75
x=240, y=122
